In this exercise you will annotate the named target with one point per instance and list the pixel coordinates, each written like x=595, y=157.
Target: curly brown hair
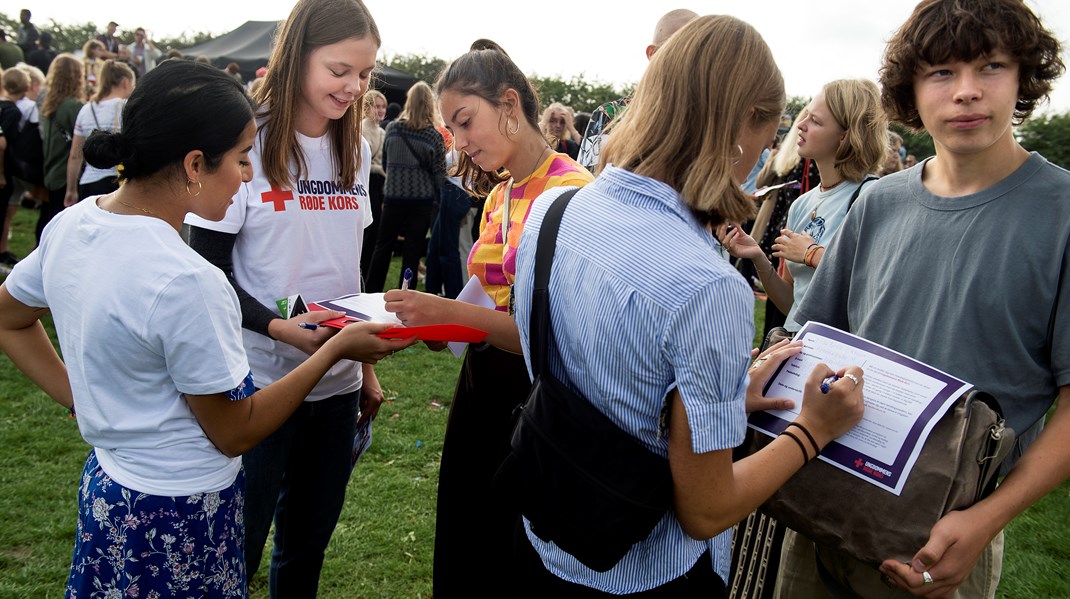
x=940, y=31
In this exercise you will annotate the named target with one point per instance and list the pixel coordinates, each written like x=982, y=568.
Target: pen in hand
x=826, y=384
x=406, y=279
x=308, y=325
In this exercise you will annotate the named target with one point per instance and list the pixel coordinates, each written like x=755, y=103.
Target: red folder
x=436, y=332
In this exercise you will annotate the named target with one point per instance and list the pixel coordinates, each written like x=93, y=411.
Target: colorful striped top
x=493, y=261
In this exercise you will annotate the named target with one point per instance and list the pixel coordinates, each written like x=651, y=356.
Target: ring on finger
x=928, y=578
x=848, y=375
x=759, y=361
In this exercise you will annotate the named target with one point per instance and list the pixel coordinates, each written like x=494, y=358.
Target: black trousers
x=409, y=218
x=375, y=194
x=470, y=514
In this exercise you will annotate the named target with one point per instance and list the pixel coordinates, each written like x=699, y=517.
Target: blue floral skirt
x=133, y=545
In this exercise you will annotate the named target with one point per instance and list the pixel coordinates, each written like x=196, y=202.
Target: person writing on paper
x=152, y=343
x=671, y=173
x=960, y=262
x=297, y=228
x=492, y=110
x=844, y=132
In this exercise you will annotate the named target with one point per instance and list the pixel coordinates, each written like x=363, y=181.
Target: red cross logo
x=278, y=197
x=858, y=463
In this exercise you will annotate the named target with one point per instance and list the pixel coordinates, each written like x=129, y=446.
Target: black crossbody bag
x=582, y=483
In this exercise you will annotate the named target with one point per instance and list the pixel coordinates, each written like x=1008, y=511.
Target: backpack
x=28, y=153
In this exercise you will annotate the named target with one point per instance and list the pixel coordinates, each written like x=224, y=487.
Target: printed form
x=904, y=400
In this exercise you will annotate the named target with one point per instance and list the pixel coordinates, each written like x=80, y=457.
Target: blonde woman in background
x=560, y=131
x=105, y=113
x=800, y=175
x=64, y=95
x=414, y=156
x=93, y=62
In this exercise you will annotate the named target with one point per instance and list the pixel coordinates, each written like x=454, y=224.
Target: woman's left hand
x=791, y=245
x=414, y=308
x=761, y=371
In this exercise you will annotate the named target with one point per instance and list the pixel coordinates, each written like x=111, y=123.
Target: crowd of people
x=214, y=414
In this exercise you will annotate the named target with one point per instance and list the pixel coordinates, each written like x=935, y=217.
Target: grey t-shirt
x=977, y=286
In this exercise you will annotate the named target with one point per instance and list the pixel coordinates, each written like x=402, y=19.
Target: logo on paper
x=872, y=469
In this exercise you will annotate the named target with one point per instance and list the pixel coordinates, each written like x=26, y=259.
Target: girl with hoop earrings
x=492, y=110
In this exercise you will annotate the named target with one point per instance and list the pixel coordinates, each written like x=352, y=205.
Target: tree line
x=1044, y=133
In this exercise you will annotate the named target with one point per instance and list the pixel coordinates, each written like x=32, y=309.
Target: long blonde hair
x=312, y=24
x=66, y=79
x=855, y=106
x=711, y=79
x=370, y=97
x=419, y=112
x=111, y=75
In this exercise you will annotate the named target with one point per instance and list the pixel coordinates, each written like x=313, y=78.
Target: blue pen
x=406, y=279
x=308, y=325
x=826, y=384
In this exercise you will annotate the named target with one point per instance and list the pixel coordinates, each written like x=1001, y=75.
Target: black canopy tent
x=250, y=46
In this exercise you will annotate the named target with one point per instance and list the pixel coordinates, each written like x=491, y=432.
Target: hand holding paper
x=760, y=372
x=290, y=332
x=360, y=342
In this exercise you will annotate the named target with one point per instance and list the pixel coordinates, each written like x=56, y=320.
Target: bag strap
x=94, y=111
x=419, y=157
x=540, y=294
x=858, y=190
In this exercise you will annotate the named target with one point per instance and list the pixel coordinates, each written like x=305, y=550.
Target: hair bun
x=105, y=149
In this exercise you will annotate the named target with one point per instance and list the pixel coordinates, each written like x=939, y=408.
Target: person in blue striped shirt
x=660, y=318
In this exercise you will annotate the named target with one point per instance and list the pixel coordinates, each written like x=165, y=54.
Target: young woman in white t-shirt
x=844, y=133
x=297, y=228
x=103, y=113
x=152, y=353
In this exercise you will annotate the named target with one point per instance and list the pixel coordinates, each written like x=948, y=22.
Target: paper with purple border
x=904, y=400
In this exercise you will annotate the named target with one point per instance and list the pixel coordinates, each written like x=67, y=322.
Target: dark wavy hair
x=487, y=71
x=178, y=107
x=963, y=30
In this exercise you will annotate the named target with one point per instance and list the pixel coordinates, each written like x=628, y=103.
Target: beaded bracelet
x=802, y=448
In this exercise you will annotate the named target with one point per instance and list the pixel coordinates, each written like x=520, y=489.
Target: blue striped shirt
x=641, y=304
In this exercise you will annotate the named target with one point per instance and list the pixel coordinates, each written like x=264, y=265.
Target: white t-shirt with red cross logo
x=304, y=239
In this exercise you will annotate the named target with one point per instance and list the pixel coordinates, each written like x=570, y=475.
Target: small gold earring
x=740, y=148
x=199, y=188
x=517, y=130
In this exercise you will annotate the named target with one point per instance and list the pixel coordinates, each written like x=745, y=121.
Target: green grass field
x=383, y=544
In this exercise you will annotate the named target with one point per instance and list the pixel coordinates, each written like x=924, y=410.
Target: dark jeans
x=298, y=475
x=49, y=208
x=371, y=233
x=533, y=580
x=443, y=257
x=96, y=188
x=409, y=218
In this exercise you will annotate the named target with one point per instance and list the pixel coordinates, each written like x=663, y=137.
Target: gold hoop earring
x=740, y=148
x=514, y=131
x=199, y=188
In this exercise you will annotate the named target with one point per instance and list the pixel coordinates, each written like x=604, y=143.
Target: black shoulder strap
x=858, y=190
x=540, y=294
